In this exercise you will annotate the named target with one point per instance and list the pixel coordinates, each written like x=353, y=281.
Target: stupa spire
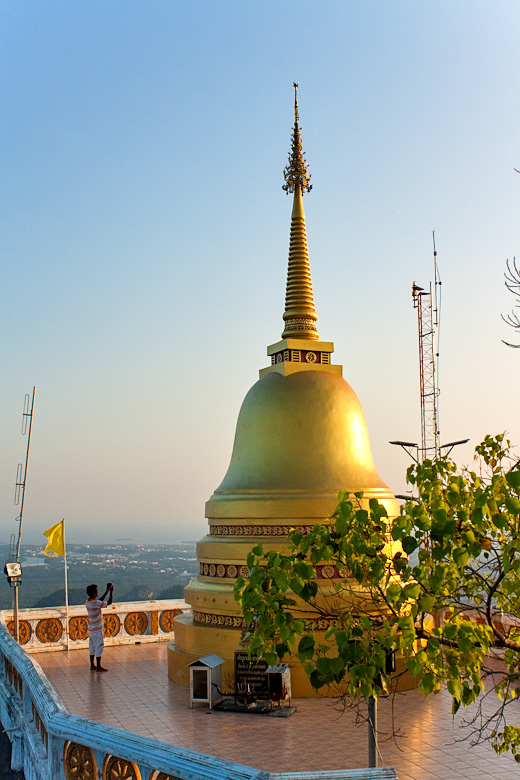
x=299, y=315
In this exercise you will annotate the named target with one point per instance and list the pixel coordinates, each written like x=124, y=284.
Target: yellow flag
x=56, y=543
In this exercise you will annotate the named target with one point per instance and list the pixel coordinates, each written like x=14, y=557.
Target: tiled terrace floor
x=136, y=695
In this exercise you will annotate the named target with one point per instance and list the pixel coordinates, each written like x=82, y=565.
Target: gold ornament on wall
x=24, y=630
x=79, y=762
x=49, y=630
x=111, y=625
x=78, y=628
x=115, y=768
x=136, y=623
x=167, y=619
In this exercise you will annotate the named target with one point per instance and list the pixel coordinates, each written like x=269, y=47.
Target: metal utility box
x=205, y=680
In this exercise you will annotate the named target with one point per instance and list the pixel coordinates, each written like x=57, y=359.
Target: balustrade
x=125, y=623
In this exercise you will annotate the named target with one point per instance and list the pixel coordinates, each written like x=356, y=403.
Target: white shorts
x=96, y=643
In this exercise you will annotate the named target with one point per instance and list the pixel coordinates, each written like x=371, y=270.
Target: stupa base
x=193, y=642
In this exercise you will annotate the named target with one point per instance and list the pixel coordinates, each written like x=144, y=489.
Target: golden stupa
x=301, y=437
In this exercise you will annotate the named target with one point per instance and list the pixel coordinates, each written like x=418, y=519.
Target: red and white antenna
x=427, y=303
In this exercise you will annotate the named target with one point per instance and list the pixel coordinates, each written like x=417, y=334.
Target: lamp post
x=372, y=731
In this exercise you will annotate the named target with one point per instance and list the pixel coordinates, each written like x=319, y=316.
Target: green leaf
x=513, y=505
x=296, y=584
x=412, y=590
x=327, y=552
x=427, y=684
x=513, y=478
x=281, y=580
x=306, y=647
x=426, y=603
x=409, y=544
x=500, y=520
x=414, y=667
x=460, y=556
x=393, y=591
x=337, y=667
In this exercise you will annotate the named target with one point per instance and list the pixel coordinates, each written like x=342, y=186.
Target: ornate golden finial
x=297, y=173
x=300, y=315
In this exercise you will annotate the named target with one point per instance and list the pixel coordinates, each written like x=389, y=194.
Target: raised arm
x=109, y=590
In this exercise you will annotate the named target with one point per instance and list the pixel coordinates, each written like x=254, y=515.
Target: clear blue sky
x=144, y=233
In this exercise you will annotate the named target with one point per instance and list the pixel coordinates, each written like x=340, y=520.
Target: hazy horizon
x=34, y=541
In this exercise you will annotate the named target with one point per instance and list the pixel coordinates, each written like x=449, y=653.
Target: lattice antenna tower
x=428, y=305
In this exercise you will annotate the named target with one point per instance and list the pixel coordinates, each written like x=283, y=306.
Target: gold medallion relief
x=49, y=630
x=78, y=628
x=79, y=762
x=111, y=624
x=115, y=768
x=328, y=572
x=24, y=630
x=166, y=621
x=136, y=623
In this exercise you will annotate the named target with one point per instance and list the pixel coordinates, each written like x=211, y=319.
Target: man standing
x=95, y=624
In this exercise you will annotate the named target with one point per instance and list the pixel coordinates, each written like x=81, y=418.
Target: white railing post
x=16, y=738
x=55, y=756
x=27, y=704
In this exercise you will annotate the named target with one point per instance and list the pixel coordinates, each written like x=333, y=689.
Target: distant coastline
x=139, y=572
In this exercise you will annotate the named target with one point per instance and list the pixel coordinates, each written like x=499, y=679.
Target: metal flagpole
x=66, y=587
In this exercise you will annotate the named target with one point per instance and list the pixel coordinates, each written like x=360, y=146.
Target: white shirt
x=95, y=618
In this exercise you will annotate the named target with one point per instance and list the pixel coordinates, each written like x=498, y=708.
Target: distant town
x=138, y=572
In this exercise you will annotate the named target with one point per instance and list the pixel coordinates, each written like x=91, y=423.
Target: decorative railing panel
x=49, y=629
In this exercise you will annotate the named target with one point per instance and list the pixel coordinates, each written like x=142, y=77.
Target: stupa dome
x=301, y=432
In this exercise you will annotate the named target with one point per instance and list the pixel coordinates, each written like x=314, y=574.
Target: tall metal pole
x=372, y=731
x=15, y=613
x=21, y=488
x=66, y=585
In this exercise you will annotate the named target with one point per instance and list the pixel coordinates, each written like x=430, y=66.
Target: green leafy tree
x=438, y=588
